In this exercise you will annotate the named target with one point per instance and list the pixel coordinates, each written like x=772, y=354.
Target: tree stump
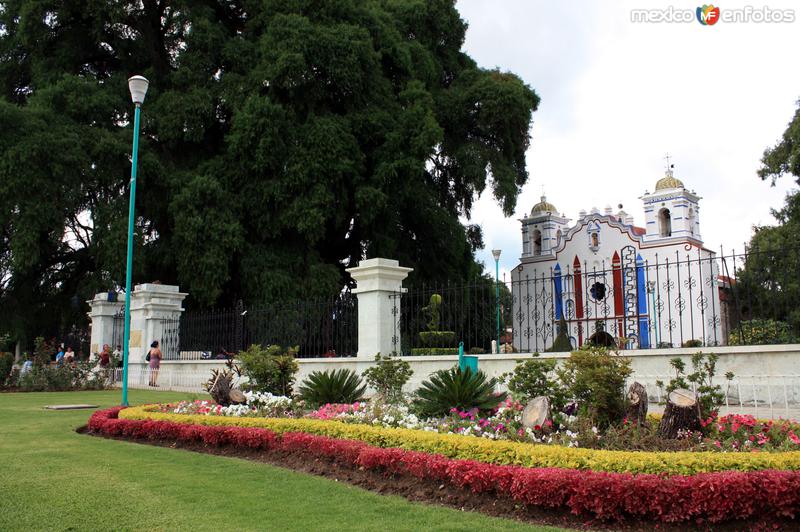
x=680, y=414
x=236, y=397
x=536, y=412
x=637, y=404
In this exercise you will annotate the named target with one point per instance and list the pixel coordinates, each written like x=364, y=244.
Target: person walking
x=154, y=357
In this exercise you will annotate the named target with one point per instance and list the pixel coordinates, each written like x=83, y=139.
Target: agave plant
x=221, y=383
x=454, y=388
x=339, y=386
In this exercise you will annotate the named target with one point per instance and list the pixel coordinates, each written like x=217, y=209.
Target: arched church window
x=558, y=237
x=691, y=221
x=536, y=240
x=665, y=222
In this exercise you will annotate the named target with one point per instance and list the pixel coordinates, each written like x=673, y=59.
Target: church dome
x=668, y=181
x=544, y=206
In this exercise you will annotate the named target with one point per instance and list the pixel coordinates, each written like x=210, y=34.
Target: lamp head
x=496, y=254
x=138, y=87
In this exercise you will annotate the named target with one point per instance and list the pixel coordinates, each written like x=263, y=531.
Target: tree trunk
x=680, y=414
x=536, y=412
x=637, y=404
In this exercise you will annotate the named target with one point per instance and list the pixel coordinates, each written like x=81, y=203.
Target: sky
x=617, y=96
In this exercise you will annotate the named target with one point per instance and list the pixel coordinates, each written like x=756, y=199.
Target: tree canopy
x=770, y=280
x=282, y=142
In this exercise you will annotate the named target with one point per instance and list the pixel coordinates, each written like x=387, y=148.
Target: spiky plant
x=454, y=388
x=339, y=386
x=221, y=383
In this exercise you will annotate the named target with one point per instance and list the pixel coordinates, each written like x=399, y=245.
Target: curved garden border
x=704, y=497
x=500, y=452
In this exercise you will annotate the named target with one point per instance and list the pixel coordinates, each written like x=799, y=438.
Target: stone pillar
x=102, y=317
x=379, y=282
x=151, y=304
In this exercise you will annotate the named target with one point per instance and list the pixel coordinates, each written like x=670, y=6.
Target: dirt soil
x=432, y=492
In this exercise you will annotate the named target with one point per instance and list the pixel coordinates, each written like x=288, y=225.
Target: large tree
x=769, y=284
x=281, y=143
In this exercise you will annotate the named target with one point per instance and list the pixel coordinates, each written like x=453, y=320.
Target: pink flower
x=794, y=438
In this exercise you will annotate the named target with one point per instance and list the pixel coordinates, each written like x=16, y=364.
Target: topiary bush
x=388, y=376
x=433, y=351
x=269, y=370
x=595, y=378
x=437, y=338
x=562, y=342
x=456, y=388
x=337, y=386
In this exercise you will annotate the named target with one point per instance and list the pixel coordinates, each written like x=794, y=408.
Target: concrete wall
x=763, y=373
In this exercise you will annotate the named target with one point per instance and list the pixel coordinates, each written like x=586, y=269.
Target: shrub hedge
x=700, y=498
x=496, y=451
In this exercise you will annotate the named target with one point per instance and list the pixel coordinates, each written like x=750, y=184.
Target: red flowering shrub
x=704, y=497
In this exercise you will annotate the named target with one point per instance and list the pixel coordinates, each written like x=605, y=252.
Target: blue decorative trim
x=641, y=289
x=558, y=291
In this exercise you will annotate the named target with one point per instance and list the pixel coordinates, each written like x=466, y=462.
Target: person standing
x=60, y=355
x=154, y=357
x=69, y=356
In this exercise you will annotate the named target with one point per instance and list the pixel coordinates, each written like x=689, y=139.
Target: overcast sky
x=617, y=95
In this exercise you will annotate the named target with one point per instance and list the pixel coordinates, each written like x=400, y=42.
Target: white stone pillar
x=151, y=304
x=102, y=316
x=379, y=282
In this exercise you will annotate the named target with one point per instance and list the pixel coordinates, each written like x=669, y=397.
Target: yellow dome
x=544, y=206
x=668, y=181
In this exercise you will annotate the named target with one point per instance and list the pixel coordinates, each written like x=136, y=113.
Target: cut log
x=680, y=414
x=637, y=404
x=536, y=412
x=236, y=397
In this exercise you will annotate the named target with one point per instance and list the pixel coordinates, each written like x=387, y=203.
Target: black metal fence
x=165, y=330
x=688, y=299
x=325, y=327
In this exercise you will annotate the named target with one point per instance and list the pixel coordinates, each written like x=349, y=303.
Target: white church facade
x=608, y=280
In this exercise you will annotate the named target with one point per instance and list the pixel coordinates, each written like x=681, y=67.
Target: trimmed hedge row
x=706, y=497
x=499, y=452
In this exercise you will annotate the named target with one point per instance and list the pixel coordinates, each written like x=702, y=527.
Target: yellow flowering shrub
x=496, y=451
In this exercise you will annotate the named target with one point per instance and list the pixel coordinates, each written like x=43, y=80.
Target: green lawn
x=53, y=478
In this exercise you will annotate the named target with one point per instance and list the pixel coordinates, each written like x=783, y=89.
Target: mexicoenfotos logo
x=708, y=15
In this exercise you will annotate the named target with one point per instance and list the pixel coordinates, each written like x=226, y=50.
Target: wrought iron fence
x=689, y=300
x=325, y=327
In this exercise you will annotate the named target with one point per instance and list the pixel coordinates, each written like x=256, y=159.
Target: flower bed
x=704, y=497
x=496, y=452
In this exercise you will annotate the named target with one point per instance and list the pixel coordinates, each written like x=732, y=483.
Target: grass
x=52, y=478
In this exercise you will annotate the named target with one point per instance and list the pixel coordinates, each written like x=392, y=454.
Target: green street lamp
x=496, y=255
x=138, y=87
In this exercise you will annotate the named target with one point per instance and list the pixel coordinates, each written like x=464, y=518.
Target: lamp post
x=496, y=255
x=138, y=87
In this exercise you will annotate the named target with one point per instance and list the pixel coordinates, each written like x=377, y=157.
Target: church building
x=604, y=279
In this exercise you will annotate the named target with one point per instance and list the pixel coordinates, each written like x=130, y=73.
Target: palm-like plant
x=339, y=386
x=455, y=388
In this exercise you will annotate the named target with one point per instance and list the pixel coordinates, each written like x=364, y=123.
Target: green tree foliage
x=534, y=377
x=768, y=286
x=595, y=378
x=387, y=377
x=269, y=370
x=281, y=142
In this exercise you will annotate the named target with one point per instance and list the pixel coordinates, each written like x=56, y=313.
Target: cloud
x=617, y=95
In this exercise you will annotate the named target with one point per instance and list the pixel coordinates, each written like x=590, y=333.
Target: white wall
x=764, y=373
